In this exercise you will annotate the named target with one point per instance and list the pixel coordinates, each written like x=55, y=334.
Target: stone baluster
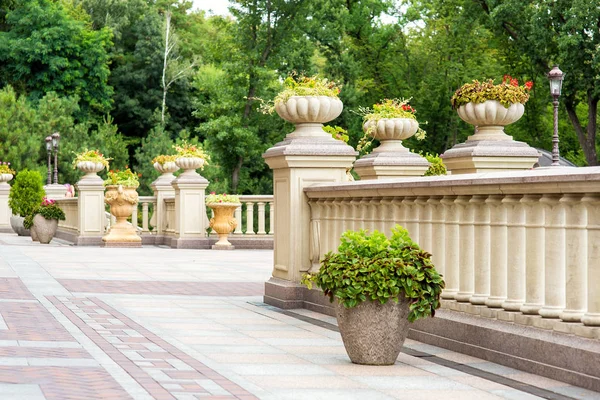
x=271, y=217
x=145, y=217
x=425, y=213
x=516, y=253
x=592, y=316
x=356, y=213
x=451, y=247
x=134, y=217
x=576, y=258
x=399, y=213
x=554, y=292
x=384, y=212
x=481, y=244
x=250, y=218
x=327, y=241
x=498, y=251
x=412, y=217
x=438, y=234
x=261, y=218
x=466, y=251
x=238, y=218
x=340, y=218
x=534, y=237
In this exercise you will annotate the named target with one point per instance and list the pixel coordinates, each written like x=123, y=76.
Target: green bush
x=373, y=267
x=437, y=166
x=26, y=193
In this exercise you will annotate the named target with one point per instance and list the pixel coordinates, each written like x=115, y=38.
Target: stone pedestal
x=191, y=221
x=55, y=191
x=5, y=211
x=163, y=189
x=90, y=206
x=298, y=162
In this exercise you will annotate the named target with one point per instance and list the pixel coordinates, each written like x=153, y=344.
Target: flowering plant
x=125, y=178
x=222, y=198
x=337, y=132
x=301, y=85
x=5, y=168
x=163, y=159
x=186, y=149
x=91, y=155
x=47, y=209
x=386, y=109
x=508, y=92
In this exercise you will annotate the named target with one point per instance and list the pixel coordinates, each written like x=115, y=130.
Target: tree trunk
x=164, y=72
x=587, y=137
x=235, y=176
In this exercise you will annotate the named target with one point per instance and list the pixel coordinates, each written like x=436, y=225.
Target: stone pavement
x=156, y=323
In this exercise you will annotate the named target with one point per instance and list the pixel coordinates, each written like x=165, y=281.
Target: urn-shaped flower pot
x=4, y=178
x=490, y=118
x=391, y=132
x=123, y=201
x=91, y=169
x=373, y=333
x=16, y=223
x=189, y=165
x=45, y=229
x=223, y=223
x=309, y=113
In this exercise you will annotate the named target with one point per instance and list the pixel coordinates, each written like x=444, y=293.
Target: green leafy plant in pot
x=25, y=195
x=381, y=285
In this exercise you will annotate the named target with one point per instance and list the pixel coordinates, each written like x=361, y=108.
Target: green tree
x=44, y=48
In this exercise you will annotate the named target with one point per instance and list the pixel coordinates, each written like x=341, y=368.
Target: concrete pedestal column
x=163, y=189
x=534, y=261
x=191, y=221
x=55, y=191
x=5, y=211
x=592, y=316
x=498, y=251
x=481, y=246
x=90, y=206
x=451, y=250
x=516, y=255
x=307, y=156
x=576, y=258
x=554, y=292
x=466, y=256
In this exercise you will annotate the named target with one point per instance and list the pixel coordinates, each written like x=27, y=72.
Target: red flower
x=514, y=82
x=528, y=85
x=506, y=78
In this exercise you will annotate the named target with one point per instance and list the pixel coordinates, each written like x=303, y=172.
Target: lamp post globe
x=555, y=76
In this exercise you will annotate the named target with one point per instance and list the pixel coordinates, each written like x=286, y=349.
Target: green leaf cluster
x=125, y=178
x=26, y=193
x=222, y=198
x=371, y=267
x=480, y=92
x=51, y=211
x=436, y=165
x=307, y=86
x=337, y=132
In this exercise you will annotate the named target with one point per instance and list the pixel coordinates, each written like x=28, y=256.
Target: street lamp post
x=55, y=143
x=49, y=151
x=556, y=77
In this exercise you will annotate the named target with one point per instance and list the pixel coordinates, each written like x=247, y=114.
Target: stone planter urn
x=16, y=223
x=44, y=229
x=391, y=159
x=223, y=223
x=167, y=168
x=490, y=118
x=91, y=169
x=123, y=201
x=308, y=113
x=373, y=333
x=189, y=165
x=34, y=235
x=4, y=178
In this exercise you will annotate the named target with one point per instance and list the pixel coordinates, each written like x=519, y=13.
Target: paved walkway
x=156, y=323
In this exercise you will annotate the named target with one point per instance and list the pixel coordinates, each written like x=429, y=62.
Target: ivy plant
x=371, y=267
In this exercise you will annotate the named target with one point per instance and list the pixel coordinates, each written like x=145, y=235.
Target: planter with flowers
x=379, y=286
x=6, y=173
x=90, y=162
x=489, y=108
x=43, y=222
x=223, y=222
x=391, y=121
x=165, y=164
x=189, y=158
x=122, y=197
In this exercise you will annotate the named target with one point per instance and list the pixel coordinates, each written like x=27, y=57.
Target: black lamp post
x=49, y=151
x=55, y=143
x=556, y=77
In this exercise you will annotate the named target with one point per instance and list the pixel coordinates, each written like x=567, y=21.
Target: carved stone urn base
x=122, y=201
x=223, y=223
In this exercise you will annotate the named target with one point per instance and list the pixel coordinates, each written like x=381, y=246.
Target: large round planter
x=16, y=223
x=223, y=221
x=373, y=333
x=310, y=109
x=123, y=201
x=90, y=168
x=5, y=178
x=166, y=168
x=189, y=165
x=34, y=235
x=391, y=132
x=44, y=228
x=490, y=118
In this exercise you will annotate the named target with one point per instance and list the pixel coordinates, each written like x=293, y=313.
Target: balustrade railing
x=509, y=246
